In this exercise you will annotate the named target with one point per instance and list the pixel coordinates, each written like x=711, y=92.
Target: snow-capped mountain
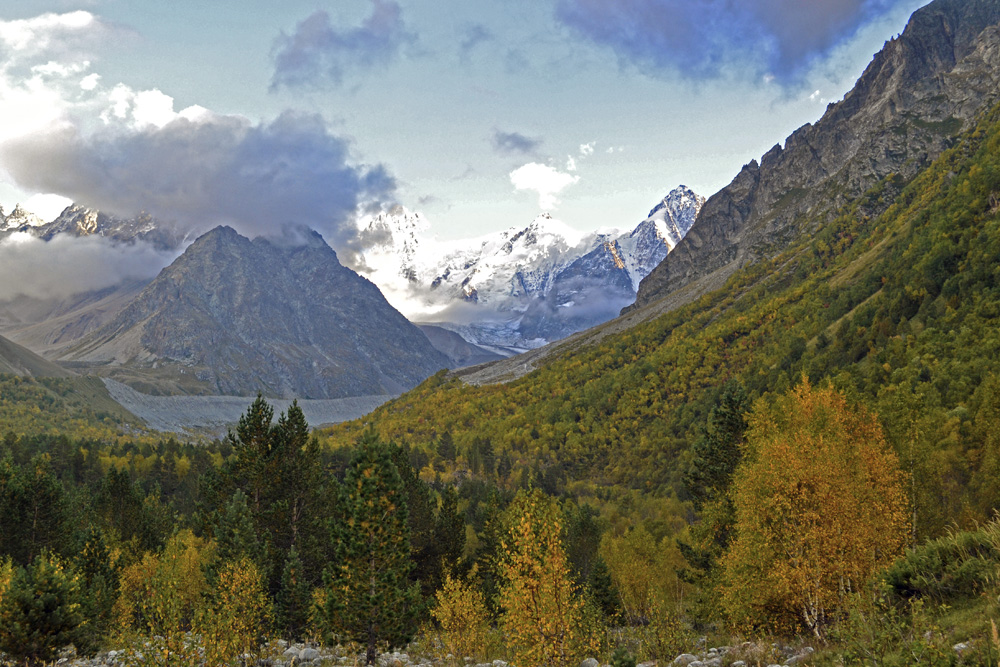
x=524, y=286
x=18, y=219
x=77, y=220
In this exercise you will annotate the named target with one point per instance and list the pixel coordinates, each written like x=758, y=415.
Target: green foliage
x=369, y=598
x=41, y=612
x=293, y=600
x=958, y=566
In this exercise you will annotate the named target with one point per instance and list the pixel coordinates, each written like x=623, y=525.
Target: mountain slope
x=918, y=92
x=18, y=360
x=234, y=316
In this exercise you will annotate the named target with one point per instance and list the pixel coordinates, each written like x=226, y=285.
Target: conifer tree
x=369, y=596
x=41, y=612
x=235, y=536
x=294, y=599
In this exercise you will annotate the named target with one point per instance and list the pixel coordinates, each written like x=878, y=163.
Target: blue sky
x=257, y=113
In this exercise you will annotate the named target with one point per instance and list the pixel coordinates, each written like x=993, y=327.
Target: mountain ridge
x=918, y=92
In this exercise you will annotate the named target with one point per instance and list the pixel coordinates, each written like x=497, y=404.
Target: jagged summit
x=919, y=92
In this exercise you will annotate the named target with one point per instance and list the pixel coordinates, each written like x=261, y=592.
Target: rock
x=590, y=662
x=684, y=659
x=739, y=663
x=308, y=654
x=714, y=662
x=291, y=652
x=961, y=647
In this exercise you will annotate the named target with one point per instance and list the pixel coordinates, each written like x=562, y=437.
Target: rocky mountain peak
x=19, y=219
x=235, y=316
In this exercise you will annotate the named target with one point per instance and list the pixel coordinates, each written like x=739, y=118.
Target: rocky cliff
x=918, y=93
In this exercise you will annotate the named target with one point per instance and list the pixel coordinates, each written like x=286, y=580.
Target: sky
x=478, y=114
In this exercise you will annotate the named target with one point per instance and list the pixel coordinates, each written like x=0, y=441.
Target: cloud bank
x=319, y=52
x=68, y=265
x=700, y=38
x=202, y=173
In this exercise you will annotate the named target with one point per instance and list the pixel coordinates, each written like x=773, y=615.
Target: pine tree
x=369, y=597
x=234, y=533
x=294, y=599
x=41, y=612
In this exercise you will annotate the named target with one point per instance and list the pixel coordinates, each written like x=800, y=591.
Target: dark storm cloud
x=514, y=142
x=220, y=170
x=319, y=52
x=700, y=38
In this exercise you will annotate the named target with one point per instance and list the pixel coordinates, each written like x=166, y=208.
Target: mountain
x=525, y=286
x=77, y=220
x=19, y=220
x=891, y=295
x=234, y=316
x=916, y=95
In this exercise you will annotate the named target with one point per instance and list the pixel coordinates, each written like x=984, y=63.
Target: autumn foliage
x=541, y=611
x=820, y=507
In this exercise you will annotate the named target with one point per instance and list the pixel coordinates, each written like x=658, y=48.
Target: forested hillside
x=895, y=302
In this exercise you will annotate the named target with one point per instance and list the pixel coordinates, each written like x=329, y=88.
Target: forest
x=808, y=456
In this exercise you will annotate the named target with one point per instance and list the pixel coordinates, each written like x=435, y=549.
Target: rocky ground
x=284, y=654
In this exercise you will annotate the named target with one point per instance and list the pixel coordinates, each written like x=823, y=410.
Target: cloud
x=69, y=265
x=514, y=142
x=206, y=171
x=473, y=36
x=587, y=149
x=319, y=52
x=547, y=181
x=699, y=38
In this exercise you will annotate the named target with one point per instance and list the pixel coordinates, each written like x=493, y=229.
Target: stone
x=590, y=662
x=308, y=654
x=684, y=659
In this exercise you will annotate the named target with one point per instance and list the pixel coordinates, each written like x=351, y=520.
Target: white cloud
x=547, y=181
x=570, y=163
x=587, y=149
x=90, y=81
x=38, y=34
x=47, y=206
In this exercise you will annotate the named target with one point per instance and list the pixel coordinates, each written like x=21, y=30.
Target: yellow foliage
x=237, y=616
x=644, y=570
x=159, y=594
x=461, y=611
x=820, y=507
x=541, y=612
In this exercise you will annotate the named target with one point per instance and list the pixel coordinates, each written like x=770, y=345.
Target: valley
x=757, y=428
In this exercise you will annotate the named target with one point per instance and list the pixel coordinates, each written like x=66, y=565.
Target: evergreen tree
x=294, y=599
x=99, y=579
x=449, y=532
x=369, y=596
x=717, y=454
x=602, y=591
x=234, y=533
x=41, y=612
